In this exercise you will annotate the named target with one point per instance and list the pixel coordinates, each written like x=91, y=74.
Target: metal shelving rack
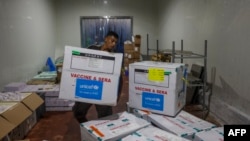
x=149, y=49
x=181, y=55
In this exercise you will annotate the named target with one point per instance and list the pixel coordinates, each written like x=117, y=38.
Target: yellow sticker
x=156, y=74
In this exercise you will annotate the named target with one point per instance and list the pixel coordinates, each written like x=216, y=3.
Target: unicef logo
x=95, y=87
x=153, y=99
x=157, y=99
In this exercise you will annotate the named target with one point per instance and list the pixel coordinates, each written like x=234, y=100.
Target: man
x=80, y=109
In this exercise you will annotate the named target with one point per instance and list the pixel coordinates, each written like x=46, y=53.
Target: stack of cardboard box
x=18, y=114
x=131, y=52
x=50, y=94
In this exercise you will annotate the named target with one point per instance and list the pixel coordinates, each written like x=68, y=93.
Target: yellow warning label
x=156, y=74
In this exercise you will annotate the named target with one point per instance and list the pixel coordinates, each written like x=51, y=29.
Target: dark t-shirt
x=95, y=47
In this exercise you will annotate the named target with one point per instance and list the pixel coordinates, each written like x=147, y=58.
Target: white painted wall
x=225, y=24
x=27, y=38
x=69, y=13
x=32, y=30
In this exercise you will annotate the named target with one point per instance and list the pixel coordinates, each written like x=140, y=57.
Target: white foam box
x=194, y=121
x=59, y=108
x=158, y=87
x=183, y=117
x=10, y=96
x=151, y=133
x=41, y=88
x=55, y=101
x=184, y=124
x=142, y=114
x=90, y=76
x=215, y=134
x=172, y=125
x=14, y=86
x=110, y=128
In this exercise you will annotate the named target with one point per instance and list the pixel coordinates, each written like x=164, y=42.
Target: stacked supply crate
x=17, y=114
x=131, y=52
x=137, y=40
x=51, y=93
x=22, y=87
x=183, y=124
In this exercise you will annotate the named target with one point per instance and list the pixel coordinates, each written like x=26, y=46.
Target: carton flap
x=16, y=114
x=32, y=101
x=5, y=127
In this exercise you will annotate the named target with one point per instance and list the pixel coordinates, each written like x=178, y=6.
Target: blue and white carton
x=158, y=87
x=90, y=76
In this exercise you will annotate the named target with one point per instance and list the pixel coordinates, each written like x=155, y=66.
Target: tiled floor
x=61, y=126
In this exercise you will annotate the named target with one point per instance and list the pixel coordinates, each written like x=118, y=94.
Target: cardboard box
x=22, y=122
x=110, y=129
x=137, y=49
x=18, y=132
x=5, y=127
x=90, y=76
x=128, y=61
x=29, y=123
x=131, y=47
x=14, y=112
x=128, y=47
x=131, y=54
x=40, y=111
x=157, y=87
x=137, y=39
x=32, y=100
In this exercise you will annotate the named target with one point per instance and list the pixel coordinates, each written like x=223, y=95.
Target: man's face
x=110, y=42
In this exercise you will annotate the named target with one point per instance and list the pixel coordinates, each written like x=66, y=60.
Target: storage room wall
x=27, y=38
x=225, y=25
x=68, y=15
x=32, y=30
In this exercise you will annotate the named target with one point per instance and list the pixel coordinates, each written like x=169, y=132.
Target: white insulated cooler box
x=90, y=76
x=158, y=87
